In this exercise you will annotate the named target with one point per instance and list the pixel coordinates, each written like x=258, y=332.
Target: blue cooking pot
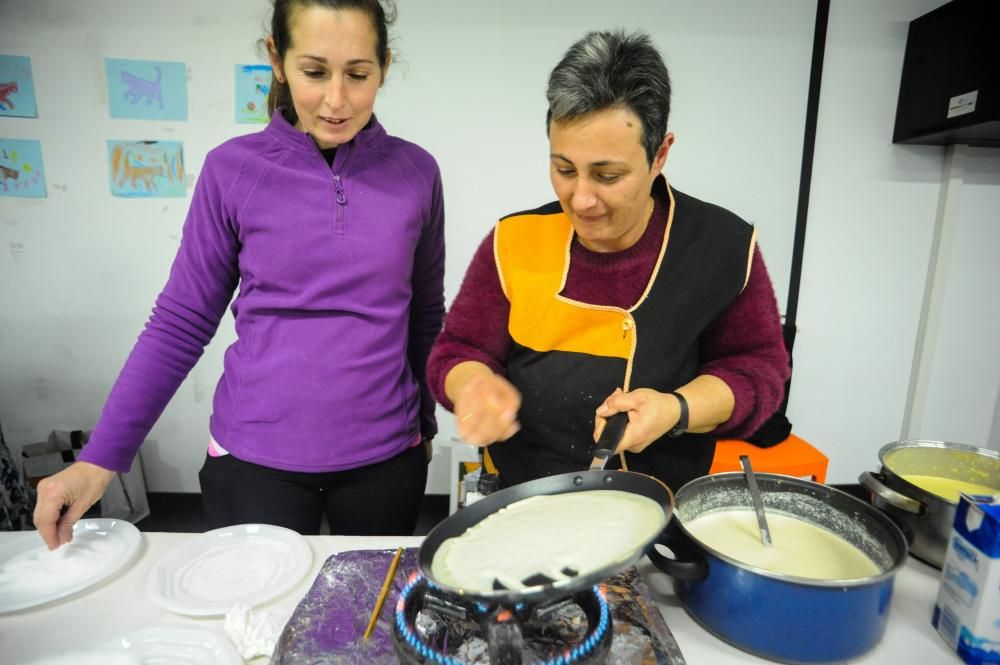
x=782, y=617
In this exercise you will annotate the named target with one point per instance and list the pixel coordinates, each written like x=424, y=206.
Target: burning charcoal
x=431, y=629
x=474, y=651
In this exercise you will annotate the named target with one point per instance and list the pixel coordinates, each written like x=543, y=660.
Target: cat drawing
x=139, y=88
x=137, y=165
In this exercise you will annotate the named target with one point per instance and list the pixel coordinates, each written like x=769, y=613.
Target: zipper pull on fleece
x=341, y=197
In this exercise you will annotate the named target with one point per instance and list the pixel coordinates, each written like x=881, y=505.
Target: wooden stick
x=391, y=573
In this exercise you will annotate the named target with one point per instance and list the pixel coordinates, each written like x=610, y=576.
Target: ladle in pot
x=758, y=505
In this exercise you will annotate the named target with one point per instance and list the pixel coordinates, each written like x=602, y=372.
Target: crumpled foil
x=641, y=635
x=328, y=625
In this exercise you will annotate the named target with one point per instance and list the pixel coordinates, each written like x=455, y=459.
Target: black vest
x=568, y=356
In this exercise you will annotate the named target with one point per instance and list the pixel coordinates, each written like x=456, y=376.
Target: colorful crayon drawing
x=253, y=82
x=143, y=169
x=17, y=87
x=146, y=89
x=21, y=170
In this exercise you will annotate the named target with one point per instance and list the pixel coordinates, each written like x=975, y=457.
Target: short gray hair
x=613, y=69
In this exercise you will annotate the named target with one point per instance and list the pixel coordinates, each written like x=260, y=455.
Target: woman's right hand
x=76, y=489
x=486, y=404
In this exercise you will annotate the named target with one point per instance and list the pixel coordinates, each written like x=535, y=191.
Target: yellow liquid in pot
x=798, y=548
x=948, y=488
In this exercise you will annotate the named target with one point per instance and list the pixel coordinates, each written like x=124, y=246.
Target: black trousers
x=379, y=499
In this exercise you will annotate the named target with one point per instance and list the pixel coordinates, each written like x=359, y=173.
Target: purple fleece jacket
x=341, y=293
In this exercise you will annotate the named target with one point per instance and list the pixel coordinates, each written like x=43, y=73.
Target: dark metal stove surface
x=327, y=626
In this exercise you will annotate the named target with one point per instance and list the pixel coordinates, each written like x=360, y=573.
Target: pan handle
x=611, y=436
x=687, y=564
x=613, y=431
x=874, y=483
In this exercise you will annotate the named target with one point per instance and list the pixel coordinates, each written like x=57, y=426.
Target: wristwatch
x=682, y=422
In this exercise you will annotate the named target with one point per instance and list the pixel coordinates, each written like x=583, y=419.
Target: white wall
x=871, y=224
x=80, y=269
x=961, y=369
x=471, y=86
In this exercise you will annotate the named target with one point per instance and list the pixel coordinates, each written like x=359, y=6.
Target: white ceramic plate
x=249, y=564
x=31, y=575
x=179, y=645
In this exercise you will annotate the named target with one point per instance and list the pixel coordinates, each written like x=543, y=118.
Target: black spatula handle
x=613, y=431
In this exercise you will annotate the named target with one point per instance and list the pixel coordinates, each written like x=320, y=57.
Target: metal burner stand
x=500, y=625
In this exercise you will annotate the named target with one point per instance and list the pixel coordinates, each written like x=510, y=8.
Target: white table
x=121, y=605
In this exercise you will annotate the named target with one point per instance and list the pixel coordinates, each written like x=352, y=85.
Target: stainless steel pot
x=926, y=518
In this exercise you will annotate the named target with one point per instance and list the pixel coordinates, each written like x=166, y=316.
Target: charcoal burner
x=436, y=627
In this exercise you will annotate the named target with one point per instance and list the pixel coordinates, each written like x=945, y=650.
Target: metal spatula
x=758, y=505
x=614, y=429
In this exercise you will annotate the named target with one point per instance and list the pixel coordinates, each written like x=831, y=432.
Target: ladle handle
x=758, y=505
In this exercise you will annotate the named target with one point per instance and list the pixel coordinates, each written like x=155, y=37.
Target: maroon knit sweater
x=743, y=346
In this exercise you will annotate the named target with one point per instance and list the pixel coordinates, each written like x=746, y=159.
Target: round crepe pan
x=539, y=587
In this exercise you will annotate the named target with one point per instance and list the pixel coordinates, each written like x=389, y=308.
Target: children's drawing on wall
x=146, y=89
x=252, y=85
x=21, y=171
x=143, y=169
x=17, y=89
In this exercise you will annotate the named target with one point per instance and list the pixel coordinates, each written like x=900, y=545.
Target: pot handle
x=874, y=483
x=687, y=564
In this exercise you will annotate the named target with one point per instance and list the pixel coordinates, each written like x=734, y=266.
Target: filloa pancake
x=559, y=536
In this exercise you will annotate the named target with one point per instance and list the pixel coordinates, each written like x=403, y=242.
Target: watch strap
x=680, y=427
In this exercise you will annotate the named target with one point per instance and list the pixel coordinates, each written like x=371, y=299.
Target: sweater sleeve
x=184, y=319
x=427, y=306
x=476, y=325
x=744, y=347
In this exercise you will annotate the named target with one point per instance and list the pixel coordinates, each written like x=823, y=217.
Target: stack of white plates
x=249, y=564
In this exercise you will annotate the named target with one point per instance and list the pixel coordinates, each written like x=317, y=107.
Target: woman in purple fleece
x=332, y=232
x=625, y=295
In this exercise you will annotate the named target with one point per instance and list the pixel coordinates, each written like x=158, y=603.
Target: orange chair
x=792, y=457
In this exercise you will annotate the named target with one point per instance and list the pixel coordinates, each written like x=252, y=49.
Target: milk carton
x=967, y=612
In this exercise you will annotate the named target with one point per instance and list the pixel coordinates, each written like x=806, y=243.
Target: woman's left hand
x=650, y=415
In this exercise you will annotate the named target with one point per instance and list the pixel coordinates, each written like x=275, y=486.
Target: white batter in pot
x=798, y=547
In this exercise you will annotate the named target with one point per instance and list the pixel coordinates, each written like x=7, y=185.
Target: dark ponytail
x=279, y=95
